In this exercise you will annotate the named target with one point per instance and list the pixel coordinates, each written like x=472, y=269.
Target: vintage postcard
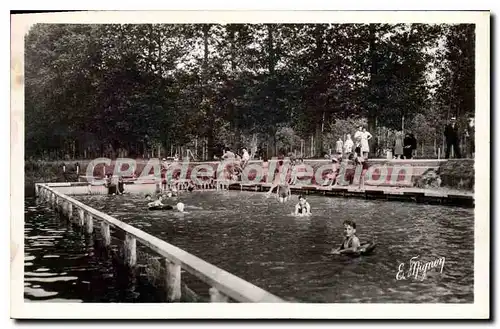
x=203, y=164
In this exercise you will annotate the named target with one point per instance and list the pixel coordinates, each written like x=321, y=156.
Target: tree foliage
x=106, y=90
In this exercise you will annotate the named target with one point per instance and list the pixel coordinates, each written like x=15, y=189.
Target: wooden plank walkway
x=434, y=196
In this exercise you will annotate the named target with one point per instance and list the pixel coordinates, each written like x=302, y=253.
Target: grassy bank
x=458, y=174
x=43, y=172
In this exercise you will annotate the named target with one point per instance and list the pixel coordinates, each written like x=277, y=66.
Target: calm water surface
x=60, y=266
x=260, y=241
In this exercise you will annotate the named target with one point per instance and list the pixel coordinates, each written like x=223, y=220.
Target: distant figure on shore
x=470, y=134
x=121, y=187
x=228, y=154
x=398, y=145
x=452, y=140
x=339, y=146
x=331, y=178
x=348, y=145
x=361, y=161
x=409, y=144
x=365, y=147
x=245, y=158
x=357, y=140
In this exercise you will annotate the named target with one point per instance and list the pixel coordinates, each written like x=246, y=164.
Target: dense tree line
x=134, y=90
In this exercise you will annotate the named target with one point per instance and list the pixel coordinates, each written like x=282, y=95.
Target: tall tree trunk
x=372, y=104
x=233, y=110
x=204, y=90
x=271, y=63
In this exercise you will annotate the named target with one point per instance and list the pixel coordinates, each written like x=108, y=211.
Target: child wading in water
x=302, y=208
x=351, y=241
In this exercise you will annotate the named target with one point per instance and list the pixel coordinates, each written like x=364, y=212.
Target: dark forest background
x=156, y=90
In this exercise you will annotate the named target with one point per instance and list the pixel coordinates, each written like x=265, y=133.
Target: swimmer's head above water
x=302, y=199
x=180, y=207
x=349, y=228
x=148, y=197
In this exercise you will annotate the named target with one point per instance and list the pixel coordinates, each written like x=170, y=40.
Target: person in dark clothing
x=121, y=187
x=470, y=133
x=409, y=144
x=451, y=135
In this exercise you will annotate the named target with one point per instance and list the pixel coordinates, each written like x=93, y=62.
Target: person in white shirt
x=245, y=158
x=348, y=144
x=357, y=140
x=228, y=154
x=365, y=147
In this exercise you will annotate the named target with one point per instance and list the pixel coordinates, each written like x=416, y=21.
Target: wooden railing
x=224, y=285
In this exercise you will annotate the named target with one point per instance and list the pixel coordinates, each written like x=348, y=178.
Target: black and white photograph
x=191, y=160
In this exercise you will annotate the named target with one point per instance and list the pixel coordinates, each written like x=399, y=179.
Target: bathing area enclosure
x=167, y=267
x=281, y=258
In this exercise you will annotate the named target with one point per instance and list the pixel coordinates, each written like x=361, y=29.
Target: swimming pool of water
x=260, y=241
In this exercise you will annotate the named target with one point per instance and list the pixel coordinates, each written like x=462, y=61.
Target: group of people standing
x=359, y=145
x=403, y=145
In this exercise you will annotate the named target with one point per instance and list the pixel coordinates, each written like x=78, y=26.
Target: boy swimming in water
x=351, y=241
x=156, y=203
x=303, y=208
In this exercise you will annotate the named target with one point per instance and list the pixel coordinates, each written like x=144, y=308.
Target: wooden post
x=70, y=210
x=439, y=153
x=173, y=281
x=217, y=297
x=105, y=233
x=130, y=248
x=312, y=146
x=81, y=217
x=89, y=224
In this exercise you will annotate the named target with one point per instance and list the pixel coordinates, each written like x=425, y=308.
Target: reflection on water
x=60, y=266
x=256, y=239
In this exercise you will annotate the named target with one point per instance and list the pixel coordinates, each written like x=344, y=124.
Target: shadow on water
x=258, y=240
x=61, y=264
